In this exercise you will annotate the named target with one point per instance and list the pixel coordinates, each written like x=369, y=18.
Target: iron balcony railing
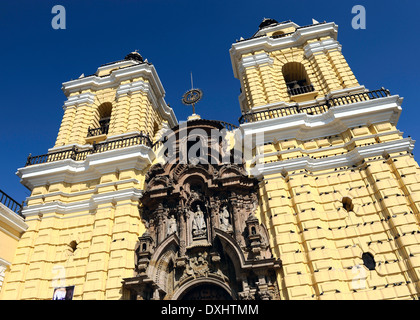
x=300, y=90
x=93, y=132
x=228, y=126
x=10, y=203
x=80, y=155
x=316, y=109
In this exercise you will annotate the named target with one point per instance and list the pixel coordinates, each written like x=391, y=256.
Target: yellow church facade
x=323, y=204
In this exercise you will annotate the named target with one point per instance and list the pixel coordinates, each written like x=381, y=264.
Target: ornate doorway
x=203, y=239
x=206, y=292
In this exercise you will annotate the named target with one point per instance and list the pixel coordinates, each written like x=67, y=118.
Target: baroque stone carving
x=202, y=229
x=198, y=224
x=225, y=220
x=172, y=226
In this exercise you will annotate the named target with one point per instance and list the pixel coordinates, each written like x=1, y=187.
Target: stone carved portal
x=203, y=240
x=207, y=292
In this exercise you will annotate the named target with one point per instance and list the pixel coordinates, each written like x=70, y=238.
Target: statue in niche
x=199, y=224
x=224, y=220
x=254, y=205
x=172, y=227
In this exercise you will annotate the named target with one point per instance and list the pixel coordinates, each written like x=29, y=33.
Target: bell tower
x=338, y=180
x=284, y=63
x=82, y=215
x=121, y=98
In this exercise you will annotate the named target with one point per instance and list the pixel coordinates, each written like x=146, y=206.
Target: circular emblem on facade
x=192, y=96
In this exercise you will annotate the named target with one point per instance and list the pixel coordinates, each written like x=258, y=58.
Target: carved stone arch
x=175, y=170
x=232, y=249
x=162, y=270
x=180, y=293
x=164, y=254
x=155, y=170
x=193, y=200
x=264, y=234
x=230, y=170
x=205, y=172
x=159, y=182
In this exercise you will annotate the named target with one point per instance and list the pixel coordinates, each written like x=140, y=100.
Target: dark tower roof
x=134, y=56
x=267, y=22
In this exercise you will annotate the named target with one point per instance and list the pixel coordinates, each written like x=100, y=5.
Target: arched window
x=296, y=78
x=101, y=120
x=277, y=34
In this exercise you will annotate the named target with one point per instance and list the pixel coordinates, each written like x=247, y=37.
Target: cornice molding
x=95, y=83
x=335, y=121
x=80, y=206
x=135, y=157
x=5, y=265
x=12, y=219
x=76, y=100
x=268, y=44
x=353, y=157
x=254, y=61
x=321, y=47
x=114, y=79
x=132, y=87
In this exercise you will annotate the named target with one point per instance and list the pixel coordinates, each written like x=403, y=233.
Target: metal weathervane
x=191, y=97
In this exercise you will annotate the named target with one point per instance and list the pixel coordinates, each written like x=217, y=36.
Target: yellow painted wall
x=8, y=242
x=11, y=229
x=105, y=237
x=321, y=244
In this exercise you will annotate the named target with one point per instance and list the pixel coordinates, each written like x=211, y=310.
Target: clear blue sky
x=178, y=37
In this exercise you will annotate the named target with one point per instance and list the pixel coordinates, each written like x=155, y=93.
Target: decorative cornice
x=255, y=60
x=132, y=87
x=80, y=206
x=4, y=264
x=351, y=158
x=318, y=47
x=95, y=83
x=12, y=219
x=268, y=44
x=335, y=121
x=76, y=100
x=95, y=165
